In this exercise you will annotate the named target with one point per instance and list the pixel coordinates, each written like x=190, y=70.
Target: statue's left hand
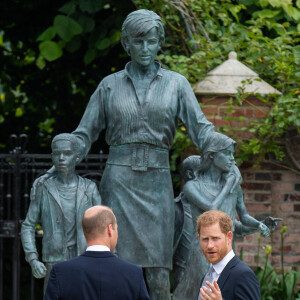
x=271, y=222
x=265, y=231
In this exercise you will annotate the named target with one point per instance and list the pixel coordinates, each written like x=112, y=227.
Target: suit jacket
x=96, y=275
x=45, y=207
x=238, y=282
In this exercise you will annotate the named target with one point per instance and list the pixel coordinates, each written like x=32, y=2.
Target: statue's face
x=143, y=49
x=63, y=156
x=224, y=159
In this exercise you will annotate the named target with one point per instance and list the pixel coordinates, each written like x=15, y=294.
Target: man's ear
x=199, y=237
x=229, y=237
x=109, y=230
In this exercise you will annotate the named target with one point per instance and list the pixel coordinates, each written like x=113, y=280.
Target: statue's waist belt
x=139, y=157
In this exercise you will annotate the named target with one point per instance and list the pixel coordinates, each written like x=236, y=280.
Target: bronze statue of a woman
x=139, y=108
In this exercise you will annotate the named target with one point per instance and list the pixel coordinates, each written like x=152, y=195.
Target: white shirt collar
x=219, y=267
x=97, y=248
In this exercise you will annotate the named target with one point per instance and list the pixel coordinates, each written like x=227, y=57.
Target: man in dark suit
x=228, y=278
x=97, y=274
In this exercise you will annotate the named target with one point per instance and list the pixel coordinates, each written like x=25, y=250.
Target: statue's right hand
x=38, y=269
x=230, y=179
x=271, y=222
x=238, y=177
x=265, y=231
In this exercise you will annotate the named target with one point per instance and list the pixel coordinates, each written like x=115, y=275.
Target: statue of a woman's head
x=139, y=23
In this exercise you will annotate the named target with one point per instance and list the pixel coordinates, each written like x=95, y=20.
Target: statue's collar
x=157, y=65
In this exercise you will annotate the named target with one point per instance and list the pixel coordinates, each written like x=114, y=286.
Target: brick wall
x=273, y=189
x=216, y=111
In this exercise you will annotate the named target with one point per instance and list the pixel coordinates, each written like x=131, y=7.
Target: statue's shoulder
x=41, y=185
x=195, y=185
x=190, y=184
x=87, y=183
x=174, y=75
x=45, y=181
x=113, y=77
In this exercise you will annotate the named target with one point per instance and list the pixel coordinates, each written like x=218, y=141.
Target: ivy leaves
x=63, y=26
x=75, y=28
x=91, y=6
x=50, y=50
x=66, y=29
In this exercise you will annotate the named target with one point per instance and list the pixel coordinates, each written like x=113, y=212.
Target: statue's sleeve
x=29, y=225
x=96, y=198
x=93, y=120
x=198, y=127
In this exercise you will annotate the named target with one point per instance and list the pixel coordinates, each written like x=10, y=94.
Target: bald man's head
x=95, y=220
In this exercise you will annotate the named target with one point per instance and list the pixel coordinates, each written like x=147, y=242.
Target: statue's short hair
x=217, y=142
x=190, y=164
x=139, y=23
x=212, y=217
x=68, y=137
x=95, y=224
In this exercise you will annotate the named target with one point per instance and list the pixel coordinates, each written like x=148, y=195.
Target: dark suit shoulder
x=66, y=263
x=128, y=264
x=237, y=281
x=113, y=259
x=247, y=286
x=128, y=268
x=237, y=268
x=108, y=277
x=241, y=267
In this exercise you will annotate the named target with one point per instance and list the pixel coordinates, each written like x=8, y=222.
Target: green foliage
x=183, y=142
x=277, y=286
x=76, y=24
x=53, y=54
x=264, y=33
x=66, y=27
x=50, y=51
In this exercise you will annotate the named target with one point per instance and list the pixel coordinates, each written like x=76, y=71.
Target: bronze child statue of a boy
x=58, y=203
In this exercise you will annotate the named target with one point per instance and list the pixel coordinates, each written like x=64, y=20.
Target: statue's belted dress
x=136, y=182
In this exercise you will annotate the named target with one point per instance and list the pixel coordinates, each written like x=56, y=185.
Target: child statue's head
x=65, y=152
x=218, y=146
x=190, y=166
